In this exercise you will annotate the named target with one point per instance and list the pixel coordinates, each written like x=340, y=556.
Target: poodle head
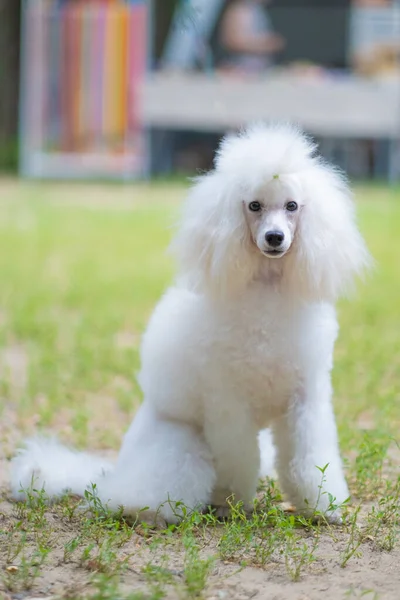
x=270, y=210
x=272, y=219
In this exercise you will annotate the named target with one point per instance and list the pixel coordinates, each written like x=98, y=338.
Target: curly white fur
x=243, y=342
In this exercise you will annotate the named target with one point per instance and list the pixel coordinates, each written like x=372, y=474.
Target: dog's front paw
x=332, y=517
x=222, y=513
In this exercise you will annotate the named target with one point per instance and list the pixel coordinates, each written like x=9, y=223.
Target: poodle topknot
x=237, y=356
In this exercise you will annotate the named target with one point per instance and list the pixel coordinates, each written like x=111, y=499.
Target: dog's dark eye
x=291, y=206
x=255, y=206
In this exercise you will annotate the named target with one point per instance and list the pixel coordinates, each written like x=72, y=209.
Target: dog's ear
x=328, y=248
x=213, y=245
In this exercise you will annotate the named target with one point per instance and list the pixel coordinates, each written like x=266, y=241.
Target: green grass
x=81, y=270
x=78, y=285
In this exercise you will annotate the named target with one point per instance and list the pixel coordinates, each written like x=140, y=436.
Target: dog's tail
x=44, y=464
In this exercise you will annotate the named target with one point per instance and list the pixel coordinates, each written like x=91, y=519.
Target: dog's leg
x=267, y=454
x=161, y=462
x=232, y=438
x=306, y=439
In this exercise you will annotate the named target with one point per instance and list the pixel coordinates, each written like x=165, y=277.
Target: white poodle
x=242, y=342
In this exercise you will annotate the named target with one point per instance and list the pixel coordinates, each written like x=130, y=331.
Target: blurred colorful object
x=82, y=64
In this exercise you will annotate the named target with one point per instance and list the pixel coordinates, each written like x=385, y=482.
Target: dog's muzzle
x=275, y=246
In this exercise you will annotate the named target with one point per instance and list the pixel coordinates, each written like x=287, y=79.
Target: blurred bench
x=333, y=107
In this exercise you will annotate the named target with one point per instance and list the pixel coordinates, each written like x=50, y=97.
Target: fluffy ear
x=328, y=249
x=213, y=245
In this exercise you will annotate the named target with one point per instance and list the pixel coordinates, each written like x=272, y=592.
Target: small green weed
x=196, y=569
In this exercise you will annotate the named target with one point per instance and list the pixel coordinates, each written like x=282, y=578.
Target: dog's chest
x=259, y=351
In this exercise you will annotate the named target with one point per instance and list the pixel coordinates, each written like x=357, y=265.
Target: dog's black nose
x=274, y=238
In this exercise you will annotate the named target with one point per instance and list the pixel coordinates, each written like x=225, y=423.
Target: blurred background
x=140, y=92
x=131, y=88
